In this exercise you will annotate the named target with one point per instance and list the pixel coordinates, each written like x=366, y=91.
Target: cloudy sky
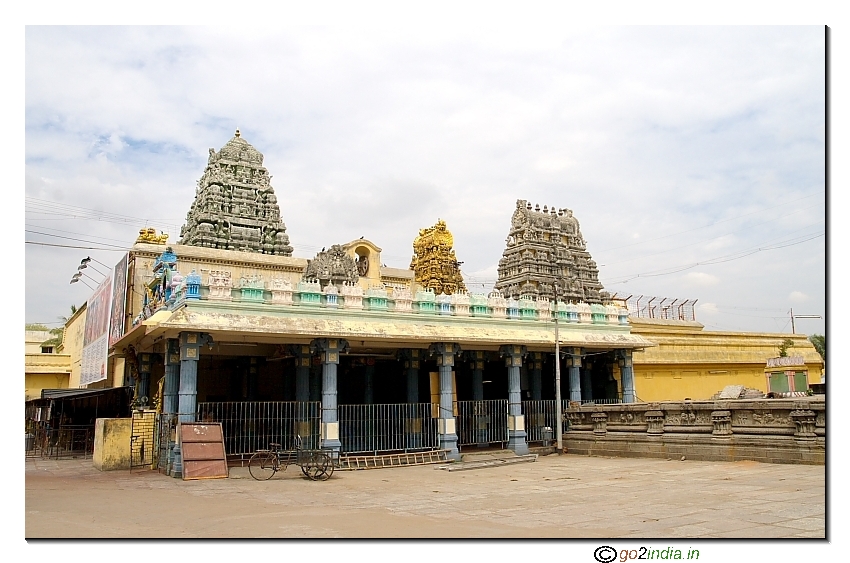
x=693, y=157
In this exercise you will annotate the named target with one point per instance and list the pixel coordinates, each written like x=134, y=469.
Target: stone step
x=487, y=463
x=487, y=455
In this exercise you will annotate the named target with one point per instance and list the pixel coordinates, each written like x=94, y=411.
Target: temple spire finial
x=237, y=132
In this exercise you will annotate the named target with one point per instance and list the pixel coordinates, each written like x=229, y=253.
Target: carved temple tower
x=543, y=246
x=235, y=207
x=434, y=263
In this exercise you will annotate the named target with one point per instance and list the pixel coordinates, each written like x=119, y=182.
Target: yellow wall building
x=44, y=366
x=689, y=362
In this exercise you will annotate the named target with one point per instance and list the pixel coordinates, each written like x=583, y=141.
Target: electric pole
x=793, y=328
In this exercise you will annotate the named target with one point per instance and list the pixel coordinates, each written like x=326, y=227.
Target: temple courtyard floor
x=567, y=496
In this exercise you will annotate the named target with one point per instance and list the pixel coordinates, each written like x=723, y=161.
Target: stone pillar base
x=448, y=437
x=517, y=442
x=449, y=442
x=177, y=461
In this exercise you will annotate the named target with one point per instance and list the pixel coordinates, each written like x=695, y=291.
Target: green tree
x=819, y=342
x=35, y=326
x=783, y=347
x=58, y=332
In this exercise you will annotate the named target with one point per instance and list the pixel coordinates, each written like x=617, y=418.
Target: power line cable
x=712, y=224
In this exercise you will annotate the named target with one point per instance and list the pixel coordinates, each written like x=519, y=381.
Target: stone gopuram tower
x=543, y=246
x=235, y=207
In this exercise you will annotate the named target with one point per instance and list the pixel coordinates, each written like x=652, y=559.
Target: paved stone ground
x=557, y=496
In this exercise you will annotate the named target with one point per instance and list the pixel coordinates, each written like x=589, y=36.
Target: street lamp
x=78, y=277
x=85, y=263
x=559, y=427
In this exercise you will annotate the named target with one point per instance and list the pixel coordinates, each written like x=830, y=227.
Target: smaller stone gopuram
x=333, y=266
x=434, y=263
x=235, y=207
x=545, y=246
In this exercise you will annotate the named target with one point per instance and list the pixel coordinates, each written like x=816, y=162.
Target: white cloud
x=683, y=135
x=798, y=297
x=700, y=279
x=708, y=308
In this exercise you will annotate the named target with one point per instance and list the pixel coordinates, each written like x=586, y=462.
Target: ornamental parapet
x=279, y=291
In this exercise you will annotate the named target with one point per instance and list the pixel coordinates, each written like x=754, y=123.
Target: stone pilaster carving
x=497, y=304
x=331, y=296
x=460, y=303
x=403, y=300
x=281, y=290
x=235, y=207
x=220, y=284
x=600, y=422
x=805, y=421
x=722, y=422
x=654, y=422
x=352, y=296
x=478, y=305
x=251, y=288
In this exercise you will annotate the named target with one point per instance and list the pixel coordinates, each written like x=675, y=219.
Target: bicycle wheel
x=318, y=468
x=314, y=468
x=327, y=466
x=263, y=465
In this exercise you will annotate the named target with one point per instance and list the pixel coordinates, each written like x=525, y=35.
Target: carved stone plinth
x=722, y=423
x=654, y=423
x=804, y=420
x=600, y=422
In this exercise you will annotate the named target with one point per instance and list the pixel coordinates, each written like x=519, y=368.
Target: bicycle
x=316, y=465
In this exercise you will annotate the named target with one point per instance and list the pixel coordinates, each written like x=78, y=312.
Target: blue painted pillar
x=329, y=348
x=253, y=375
x=368, y=386
x=143, y=398
x=172, y=376
x=187, y=391
x=316, y=382
x=445, y=353
x=411, y=358
x=169, y=392
x=574, y=363
x=627, y=376
x=303, y=356
x=476, y=362
x=513, y=355
x=536, y=373
x=480, y=420
x=586, y=385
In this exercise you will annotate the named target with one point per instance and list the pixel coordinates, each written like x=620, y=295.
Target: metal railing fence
x=62, y=442
x=249, y=426
x=482, y=422
x=392, y=427
x=540, y=415
x=601, y=401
